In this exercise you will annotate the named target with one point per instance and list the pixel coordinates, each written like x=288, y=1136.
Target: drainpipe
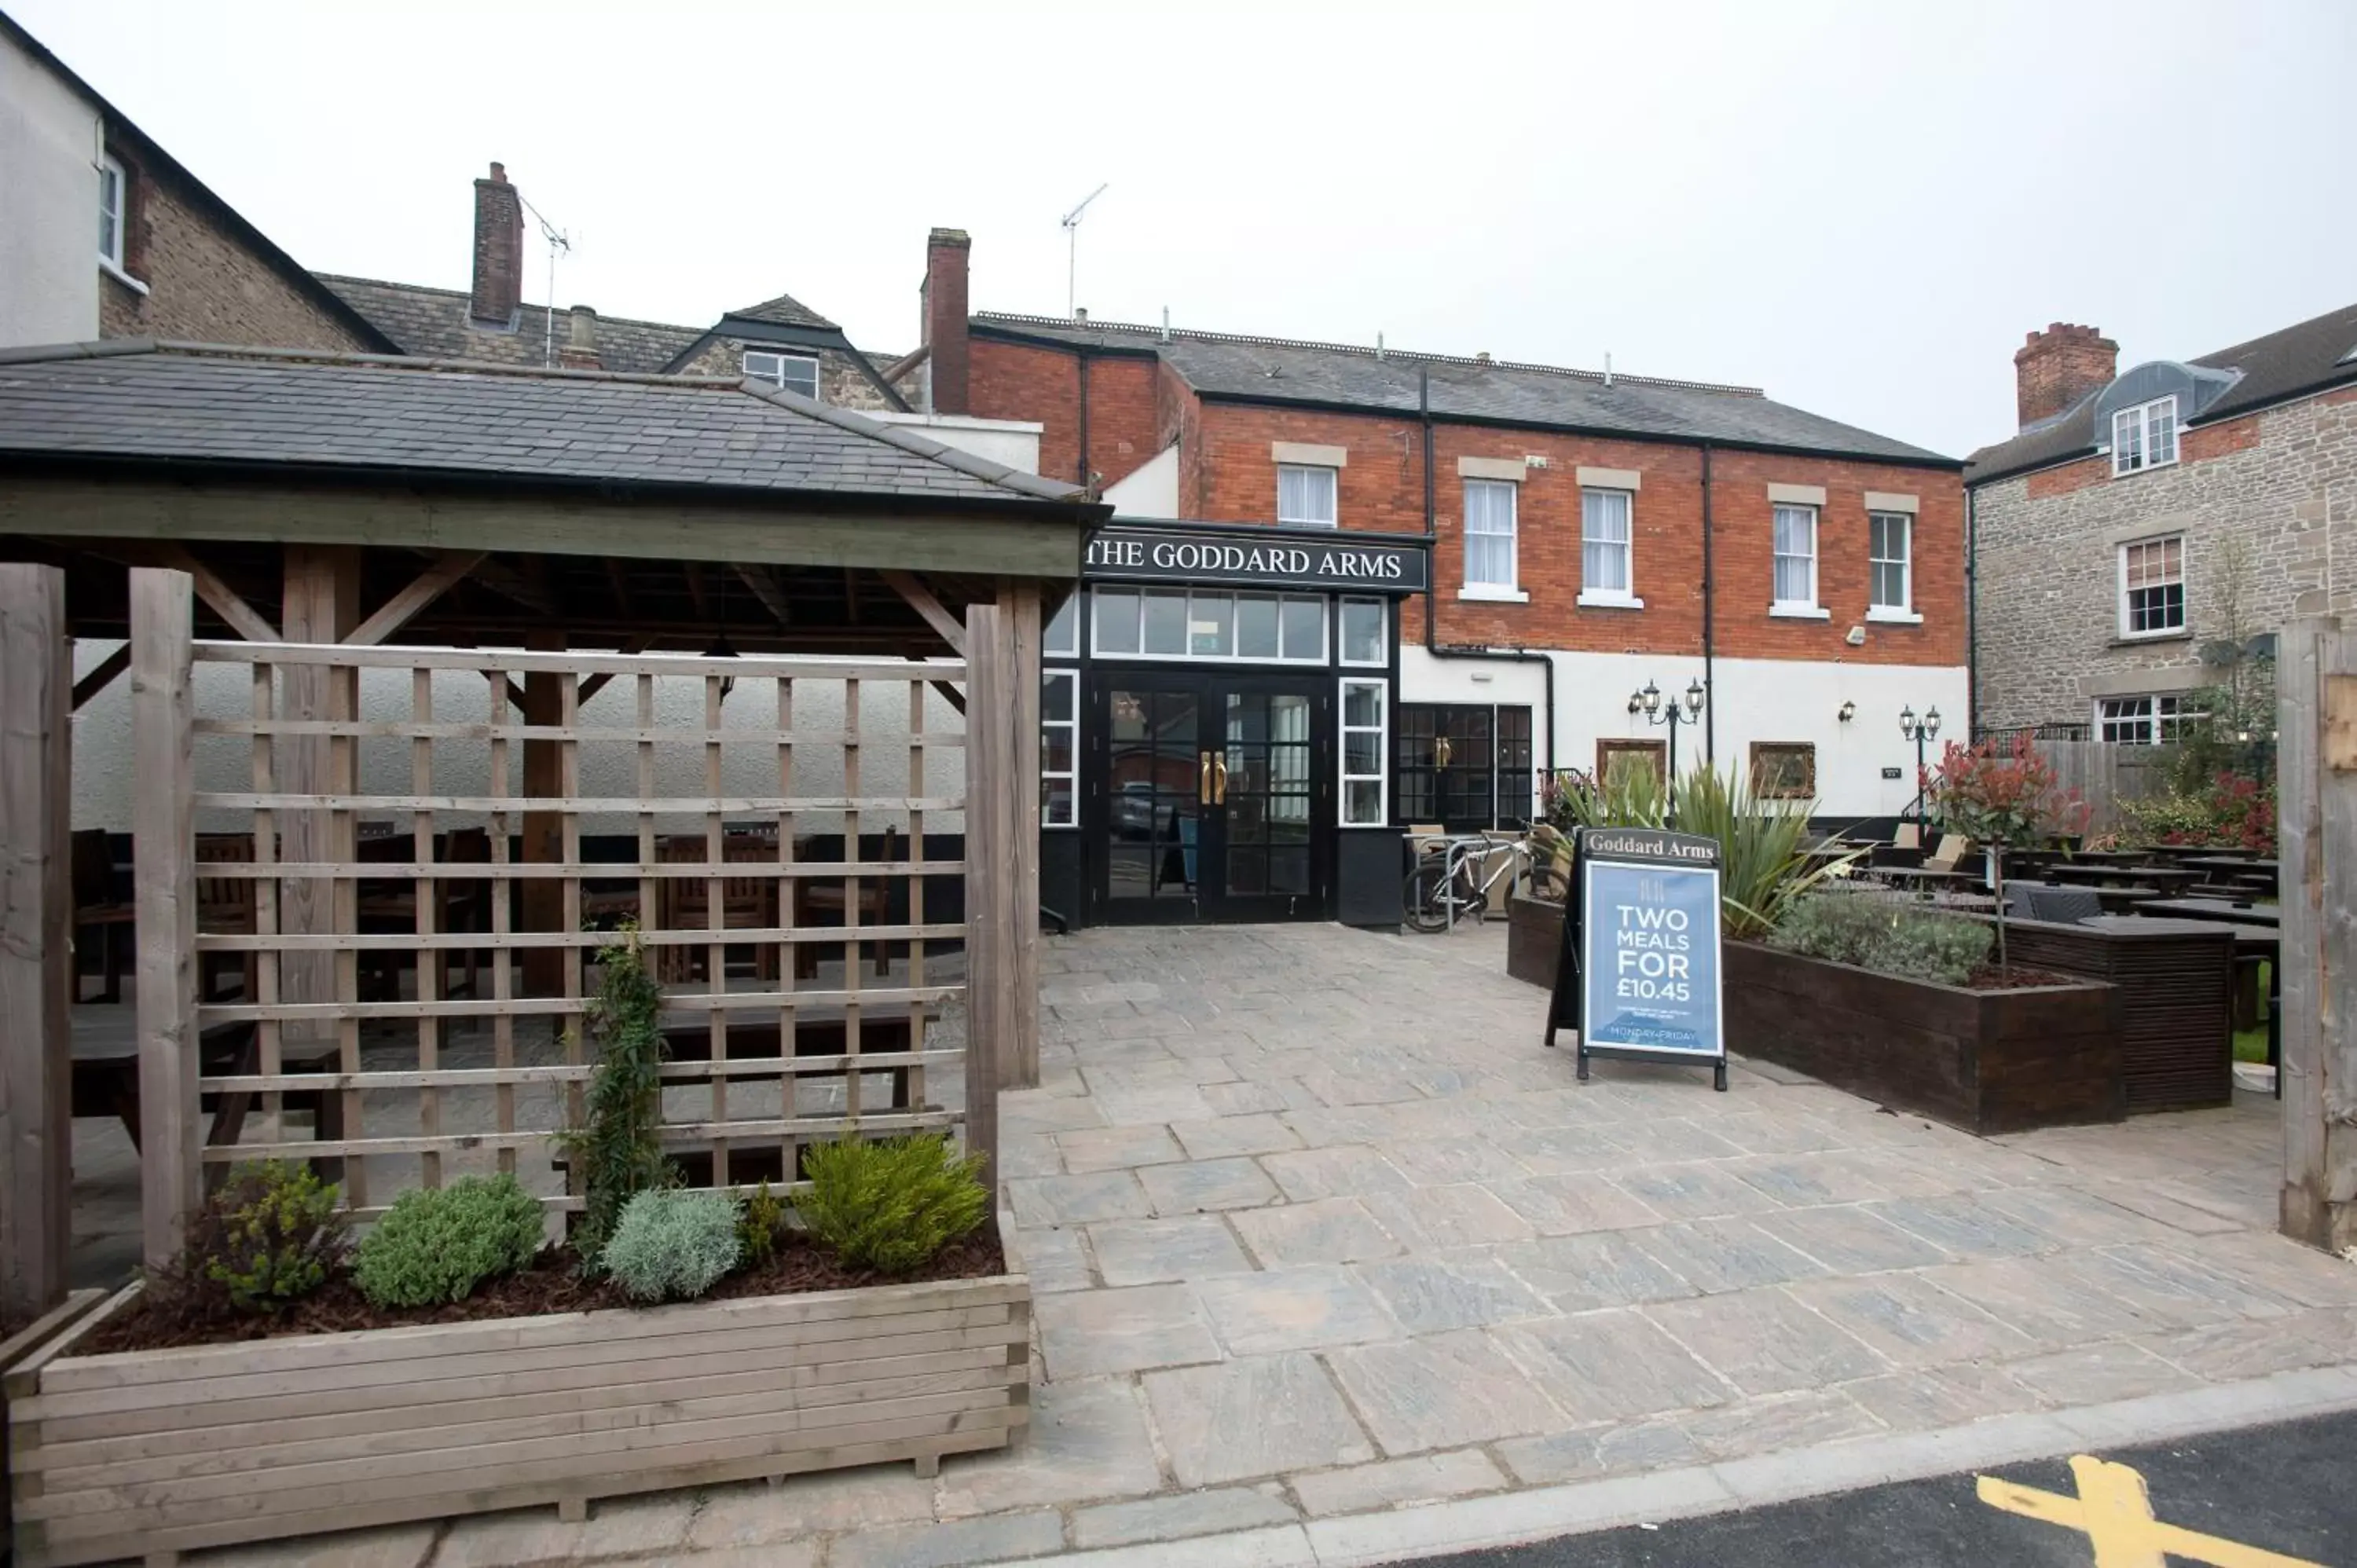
x=1082, y=478
x=1432, y=584
x=1709, y=624
x=1972, y=619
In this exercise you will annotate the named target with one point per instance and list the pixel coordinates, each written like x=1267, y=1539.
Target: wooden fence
x=2105, y=774
x=2317, y=844
x=367, y=937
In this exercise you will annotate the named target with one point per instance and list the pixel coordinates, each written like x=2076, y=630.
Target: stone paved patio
x=1318, y=1229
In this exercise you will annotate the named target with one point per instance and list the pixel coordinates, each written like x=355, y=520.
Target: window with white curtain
x=1796, y=557
x=1362, y=631
x=111, y=204
x=1606, y=544
x=793, y=373
x=1888, y=560
x=1060, y=748
x=1366, y=715
x=2152, y=586
x=1490, y=534
x=1305, y=495
x=2144, y=436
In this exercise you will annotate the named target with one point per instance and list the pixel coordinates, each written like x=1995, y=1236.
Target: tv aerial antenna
x=1072, y=249
x=558, y=242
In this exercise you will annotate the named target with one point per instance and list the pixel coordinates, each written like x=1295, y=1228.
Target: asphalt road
x=2289, y=1489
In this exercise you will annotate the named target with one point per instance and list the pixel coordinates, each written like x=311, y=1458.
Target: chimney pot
x=2055, y=369
x=1080, y=313
x=943, y=329
x=499, y=253
x=580, y=349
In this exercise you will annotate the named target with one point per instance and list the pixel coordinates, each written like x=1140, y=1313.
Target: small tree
x=2003, y=795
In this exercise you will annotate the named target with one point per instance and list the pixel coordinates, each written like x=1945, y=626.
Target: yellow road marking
x=2114, y=1511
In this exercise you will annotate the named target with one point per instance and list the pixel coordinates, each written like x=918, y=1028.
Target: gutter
x=1432, y=586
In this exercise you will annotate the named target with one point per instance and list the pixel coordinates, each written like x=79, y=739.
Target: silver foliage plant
x=672, y=1245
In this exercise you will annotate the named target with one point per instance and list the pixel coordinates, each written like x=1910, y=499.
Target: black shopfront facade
x=1219, y=709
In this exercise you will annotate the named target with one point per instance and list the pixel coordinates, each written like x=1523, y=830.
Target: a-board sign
x=1638, y=976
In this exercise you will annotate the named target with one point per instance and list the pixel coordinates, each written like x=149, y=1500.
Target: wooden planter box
x=1534, y=939
x=22, y=1347
x=1986, y=1061
x=2177, y=1000
x=152, y=1452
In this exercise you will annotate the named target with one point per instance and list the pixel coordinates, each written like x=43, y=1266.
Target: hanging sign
x=1638, y=976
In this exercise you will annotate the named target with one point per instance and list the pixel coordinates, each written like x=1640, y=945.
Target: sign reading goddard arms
x=1260, y=558
x=1637, y=975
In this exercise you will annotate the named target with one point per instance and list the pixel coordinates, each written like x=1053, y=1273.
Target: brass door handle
x=1203, y=784
x=1441, y=751
x=1220, y=781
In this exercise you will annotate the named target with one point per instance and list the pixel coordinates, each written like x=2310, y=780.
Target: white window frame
x=1326, y=619
x=776, y=374
x=1069, y=617
x=1333, y=486
x=1610, y=598
x=1904, y=612
x=2184, y=577
x=110, y=168
x=1381, y=730
x=2163, y=720
x=2137, y=431
x=1382, y=658
x=1802, y=610
x=1072, y=776
x=1510, y=590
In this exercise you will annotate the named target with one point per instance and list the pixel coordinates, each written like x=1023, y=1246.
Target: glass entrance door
x=1217, y=796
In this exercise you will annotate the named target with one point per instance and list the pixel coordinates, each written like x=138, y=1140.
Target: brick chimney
x=2056, y=368
x=942, y=298
x=580, y=349
x=499, y=252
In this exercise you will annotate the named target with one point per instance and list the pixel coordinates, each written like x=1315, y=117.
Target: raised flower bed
x=149, y=1452
x=2000, y=1059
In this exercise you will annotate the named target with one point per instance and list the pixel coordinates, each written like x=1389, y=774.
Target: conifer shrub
x=267, y=1237
x=437, y=1244
x=672, y=1245
x=891, y=1203
x=758, y=1227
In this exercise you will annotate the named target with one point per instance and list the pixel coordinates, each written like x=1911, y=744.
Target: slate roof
x=2316, y=354
x=432, y=324
x=787, y=311
x=1269, y=369
x=134, y=398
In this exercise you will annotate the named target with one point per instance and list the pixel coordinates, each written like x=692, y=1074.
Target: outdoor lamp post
x=1923, y=732
x=1649, y=703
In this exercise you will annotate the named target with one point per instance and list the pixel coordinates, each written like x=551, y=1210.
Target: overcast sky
x=1859, y=208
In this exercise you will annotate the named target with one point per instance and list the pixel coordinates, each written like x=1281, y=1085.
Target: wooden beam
x=164, y=841
x=921, y=599
x=321, y=605
x=100, y=678
x=36, y=939
x=765, y=588
x=2317, y=852
x=510, y=584
x=1019, y=617
x=244, y=619
x=597, y=683
x=980, y=542
x=989, y=866
x=404, y=607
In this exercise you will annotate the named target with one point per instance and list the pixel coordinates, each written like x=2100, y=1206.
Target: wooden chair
x=226, y=905
x=1907, y=835
x=684, y=903
x=875, y=902
x=1949, y=853
x=95, y=907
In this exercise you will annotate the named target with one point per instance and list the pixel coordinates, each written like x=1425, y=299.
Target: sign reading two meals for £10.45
x=1649, y=947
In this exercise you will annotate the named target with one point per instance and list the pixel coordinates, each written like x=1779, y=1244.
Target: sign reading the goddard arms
x=1336, y=561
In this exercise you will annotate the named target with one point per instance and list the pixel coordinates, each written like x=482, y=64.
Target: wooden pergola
x=561, y=530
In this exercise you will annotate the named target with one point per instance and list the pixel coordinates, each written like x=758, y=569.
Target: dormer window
x=790, y=372
x=2144, y=436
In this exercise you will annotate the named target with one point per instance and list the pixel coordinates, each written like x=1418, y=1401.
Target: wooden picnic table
x=105, y=1056
x=2235, y=912
x=2100, y=875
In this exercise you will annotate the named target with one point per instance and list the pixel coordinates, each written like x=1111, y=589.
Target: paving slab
x=1613, y=1364
x=1765, y=1342
x=1199, y=1187
x=1252, y=1417
x=1087, y=1440
x=1087, y=1333
x=1317, y=1306
x=1179, y=1516
x=1436, y=1294
x=1147, y=1252
x=1323, y=1230
x=1441, y=1390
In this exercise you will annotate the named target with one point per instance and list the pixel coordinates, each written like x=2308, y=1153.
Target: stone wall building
x=2139, y=521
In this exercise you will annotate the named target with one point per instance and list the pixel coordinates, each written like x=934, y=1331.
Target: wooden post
x=163, y=824
x=989, y=869
x=1019, y=626
x=543, y=902
x=36, y=951
x=321, y=605
x=2316, y=771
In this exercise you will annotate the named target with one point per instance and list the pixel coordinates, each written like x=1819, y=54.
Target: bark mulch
x=163, y=1319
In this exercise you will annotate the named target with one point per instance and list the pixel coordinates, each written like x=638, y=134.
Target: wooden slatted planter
x=2177, y=1001
x=153, y=1453
x=25, y=1344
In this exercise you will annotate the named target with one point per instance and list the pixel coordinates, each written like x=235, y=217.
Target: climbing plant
x=619, y=1144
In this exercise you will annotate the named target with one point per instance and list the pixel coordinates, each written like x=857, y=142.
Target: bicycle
x=1447, y=882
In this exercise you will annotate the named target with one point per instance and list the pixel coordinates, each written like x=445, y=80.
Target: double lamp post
x=1649, y=703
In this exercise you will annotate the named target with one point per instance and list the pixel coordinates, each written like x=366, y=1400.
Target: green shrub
x=437, y=1244
x=619, y=1141
x=892, y=1204
x=674, y=1244
x=1889, y=938
x=265, y=1238
x=757, y=1228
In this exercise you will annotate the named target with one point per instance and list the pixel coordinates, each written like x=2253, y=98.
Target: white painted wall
x=1151, y=491
x=1014, y=442
x=1753, y=699
x=50, y=139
